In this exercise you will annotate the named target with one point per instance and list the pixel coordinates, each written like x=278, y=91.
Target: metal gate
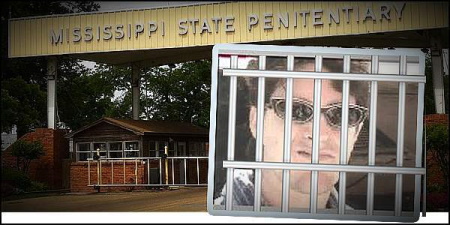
x=231, y=173
x=147, y=171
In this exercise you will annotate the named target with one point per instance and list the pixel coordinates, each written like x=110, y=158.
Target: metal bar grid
x=400, y=149
x=400, y=137
x=419, y=153
x=374, y=78
x=231, y=133
x=323, y=167
x=287, y=136
x=323, y=216
x=344, y=136
x=328, y=76
x=316, y=133
x=372, y=136
x=259, y=133
x=297, y=51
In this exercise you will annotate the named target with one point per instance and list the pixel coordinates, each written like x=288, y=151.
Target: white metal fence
x=147, y=171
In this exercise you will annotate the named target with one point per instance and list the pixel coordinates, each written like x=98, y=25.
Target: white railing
x=148, y=171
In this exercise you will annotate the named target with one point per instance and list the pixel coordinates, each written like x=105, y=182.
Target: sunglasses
x=302, y=112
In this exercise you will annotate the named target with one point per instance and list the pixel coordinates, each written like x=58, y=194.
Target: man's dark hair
x=358, y=89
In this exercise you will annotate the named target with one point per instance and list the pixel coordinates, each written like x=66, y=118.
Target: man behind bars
x=302, y=129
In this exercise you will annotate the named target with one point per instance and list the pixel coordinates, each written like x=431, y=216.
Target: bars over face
x=298, y=132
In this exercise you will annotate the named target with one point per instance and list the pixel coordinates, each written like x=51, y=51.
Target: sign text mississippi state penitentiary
x=216, y=24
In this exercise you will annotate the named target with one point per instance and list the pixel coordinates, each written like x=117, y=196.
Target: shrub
x=437, y=143
x=25, y=152
x=15, y=178
x=36, y=186
x=16, y=182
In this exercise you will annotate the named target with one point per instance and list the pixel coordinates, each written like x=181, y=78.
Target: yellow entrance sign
x=209, y=24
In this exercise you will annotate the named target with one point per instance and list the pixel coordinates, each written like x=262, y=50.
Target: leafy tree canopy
x=24, y=79
x=178, y=94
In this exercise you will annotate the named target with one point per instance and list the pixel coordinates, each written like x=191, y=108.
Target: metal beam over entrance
x=158, y=36
x=90, y=35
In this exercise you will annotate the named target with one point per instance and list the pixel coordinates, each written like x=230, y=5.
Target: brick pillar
x=48, y=168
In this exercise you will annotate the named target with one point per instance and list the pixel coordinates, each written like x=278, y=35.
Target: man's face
x=301, y=145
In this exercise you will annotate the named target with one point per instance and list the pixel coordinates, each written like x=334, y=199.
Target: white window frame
x=171, y=152
x=290, y=52
x=78, y=152
x=158, y=150
x=105, y=151
x=111, y=151
x=131, y=150
x=153, y=149
x=183, y=152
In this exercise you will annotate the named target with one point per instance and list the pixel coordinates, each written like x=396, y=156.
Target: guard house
x=121, y=138
x=139, y=153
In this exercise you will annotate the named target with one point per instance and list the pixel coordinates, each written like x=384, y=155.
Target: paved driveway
x=192, y=199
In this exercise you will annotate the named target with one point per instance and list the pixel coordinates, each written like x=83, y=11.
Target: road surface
x=192, y=199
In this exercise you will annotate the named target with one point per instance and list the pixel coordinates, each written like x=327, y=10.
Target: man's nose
x=305, y=131
x=326, y=132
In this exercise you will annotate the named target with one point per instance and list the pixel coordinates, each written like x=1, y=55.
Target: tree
x=26, y=152
x=9, y=109
x=181, y=93
x=23, y=104
x=430, y=107
x=89, y=96
x=30, y=73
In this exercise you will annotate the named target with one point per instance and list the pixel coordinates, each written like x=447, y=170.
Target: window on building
x=131, y=149
x=171, y=150
x=84, y=151
x=115, y=150
x=160, y=146
x=102, y=149
x=181, y=148
x=175, y=148
x=152, y=149
x=197, y=148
